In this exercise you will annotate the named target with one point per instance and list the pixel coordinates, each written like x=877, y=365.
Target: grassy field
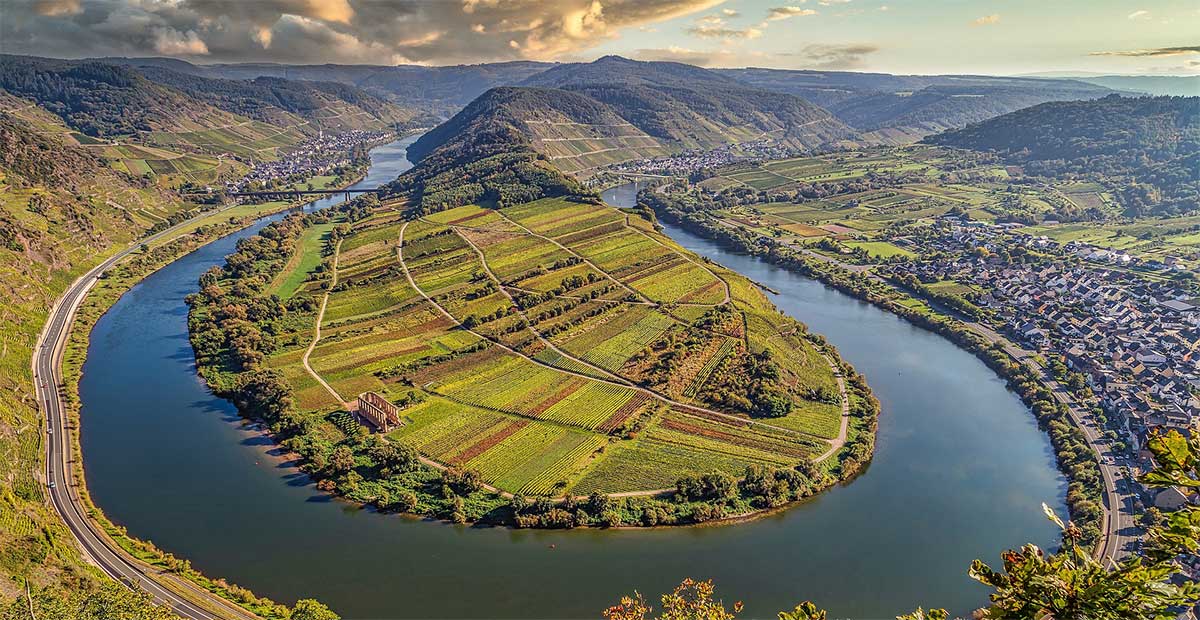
x=553, y=347
x=931, y=184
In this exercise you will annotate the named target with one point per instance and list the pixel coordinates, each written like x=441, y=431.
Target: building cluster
x=1136, y=340
x=316, y=156
x=688, y=162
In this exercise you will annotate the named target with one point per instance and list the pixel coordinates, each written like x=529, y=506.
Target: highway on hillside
x=64, y=497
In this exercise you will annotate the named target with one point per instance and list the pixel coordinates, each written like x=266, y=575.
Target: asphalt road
x=64, y=497
x=1120, y=526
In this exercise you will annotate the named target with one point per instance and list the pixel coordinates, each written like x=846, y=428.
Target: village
x=1126, y=343
x=317, y=156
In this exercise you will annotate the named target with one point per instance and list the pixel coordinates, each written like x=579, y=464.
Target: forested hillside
x=690, y=107
x=582, y=117
x=331, y=106
x=102, y=100
x=901, y=108
x=437, y=90
x=486, y=153
x=1147, y=149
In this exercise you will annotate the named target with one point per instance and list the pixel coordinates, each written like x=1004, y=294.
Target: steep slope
x=1146, y=148
x=901, y=108
x=329, y=106
x=571, y=129
x=61, y=211
x=103, y=100
x=487, y=151
x=690, y=107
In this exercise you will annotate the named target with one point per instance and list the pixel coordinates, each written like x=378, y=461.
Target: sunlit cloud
x=788, y=12
x=1140, y=14
x=987, y=20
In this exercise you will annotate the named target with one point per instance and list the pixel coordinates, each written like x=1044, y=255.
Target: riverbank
x=192, y=234
x=99, y=299
x=1084, y=499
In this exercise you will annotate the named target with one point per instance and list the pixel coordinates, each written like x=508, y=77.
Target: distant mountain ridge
x=887, y=108
x=440, y=90
x=901, y=108
x=1173, y=85
x=104, y=100
x=585, y=116
x=1146, y=148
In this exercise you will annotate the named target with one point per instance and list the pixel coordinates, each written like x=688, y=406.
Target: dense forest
x=1147, y=149
x=102, y=100
x=257, y=98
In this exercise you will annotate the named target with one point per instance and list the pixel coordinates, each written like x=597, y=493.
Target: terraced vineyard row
x=419, y=318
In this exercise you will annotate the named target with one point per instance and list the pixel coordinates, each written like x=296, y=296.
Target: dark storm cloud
x=352, y=31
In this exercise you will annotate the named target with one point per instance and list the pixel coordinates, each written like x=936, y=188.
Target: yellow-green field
x=554, y=347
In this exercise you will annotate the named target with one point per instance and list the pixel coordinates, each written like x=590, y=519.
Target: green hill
x=581, y=117
x=329, y=106
x=102, y=100
x=1147, y=149
x=690, y=107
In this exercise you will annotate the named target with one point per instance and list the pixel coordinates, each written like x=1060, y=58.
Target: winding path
x=337, y=250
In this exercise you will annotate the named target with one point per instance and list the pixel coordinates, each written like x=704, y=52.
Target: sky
x=1000, y=37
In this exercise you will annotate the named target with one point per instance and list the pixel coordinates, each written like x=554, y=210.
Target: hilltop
x=442, y=90
x=582, y=117
x=886, y=108
x=1145, y=148
x=102, y=100
x=327, y=106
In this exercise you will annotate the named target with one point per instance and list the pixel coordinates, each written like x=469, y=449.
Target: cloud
x=834, y=56
x=53, y=8
x=1140, y=14
x=788, y=12
x=336, y=31
x=1158, y=51
x=883, y=8
x=717, y=31
x=987, y=20
x=729, y=13
x=170, y=42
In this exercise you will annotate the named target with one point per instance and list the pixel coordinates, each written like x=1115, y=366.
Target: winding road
x=183, y=597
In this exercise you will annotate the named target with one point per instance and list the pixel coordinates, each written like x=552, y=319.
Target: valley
x=502, y=333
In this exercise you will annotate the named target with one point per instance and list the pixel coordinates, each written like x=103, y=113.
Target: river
x=959, y=473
